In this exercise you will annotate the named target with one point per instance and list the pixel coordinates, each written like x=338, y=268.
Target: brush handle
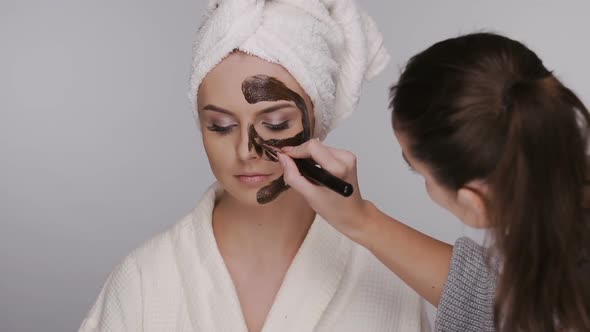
x=312, y=171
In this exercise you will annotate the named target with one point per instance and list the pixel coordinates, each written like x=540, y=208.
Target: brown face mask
x=261, y=88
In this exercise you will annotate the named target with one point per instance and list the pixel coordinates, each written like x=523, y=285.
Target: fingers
x=293, y=177
x=338, y=162
x=315, y=195
x=310, y=149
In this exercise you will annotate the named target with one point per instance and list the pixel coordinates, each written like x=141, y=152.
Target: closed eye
x=277, y=127
x=223, y=130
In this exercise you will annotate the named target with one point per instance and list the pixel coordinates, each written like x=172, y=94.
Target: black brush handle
x=312, y=171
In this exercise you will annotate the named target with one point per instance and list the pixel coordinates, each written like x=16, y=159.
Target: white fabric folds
x=329, y=46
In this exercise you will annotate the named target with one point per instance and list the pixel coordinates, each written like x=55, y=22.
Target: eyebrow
x=270, y=109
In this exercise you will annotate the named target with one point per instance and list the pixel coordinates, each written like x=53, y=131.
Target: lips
x=253, y=178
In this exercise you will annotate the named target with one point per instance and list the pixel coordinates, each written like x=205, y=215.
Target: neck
x=271, y=231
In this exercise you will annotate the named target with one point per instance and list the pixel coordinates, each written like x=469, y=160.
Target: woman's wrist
x=364, y=224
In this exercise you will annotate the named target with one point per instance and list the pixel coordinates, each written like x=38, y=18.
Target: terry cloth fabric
x=178, y=281
x=329, y=46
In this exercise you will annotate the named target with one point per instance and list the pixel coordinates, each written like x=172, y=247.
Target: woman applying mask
x=253, y=255
x=501, y=144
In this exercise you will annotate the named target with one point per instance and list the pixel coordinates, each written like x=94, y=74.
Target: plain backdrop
x=99, y=150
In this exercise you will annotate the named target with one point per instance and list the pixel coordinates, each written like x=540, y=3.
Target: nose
x=246, y=150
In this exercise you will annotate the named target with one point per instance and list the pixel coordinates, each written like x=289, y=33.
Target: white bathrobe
x=177, y=281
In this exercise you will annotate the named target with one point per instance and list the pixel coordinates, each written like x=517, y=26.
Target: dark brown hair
x=484, y=107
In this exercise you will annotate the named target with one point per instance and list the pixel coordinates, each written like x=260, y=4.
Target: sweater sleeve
x=467, y=301
x=119, y=304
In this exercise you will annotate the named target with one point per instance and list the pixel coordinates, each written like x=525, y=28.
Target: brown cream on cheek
x=265, y=88
x=261, y=88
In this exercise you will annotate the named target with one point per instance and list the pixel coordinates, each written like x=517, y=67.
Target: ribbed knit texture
x=467, y=302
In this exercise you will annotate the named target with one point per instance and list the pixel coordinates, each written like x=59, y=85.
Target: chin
x=248, y=193
x=245, y=196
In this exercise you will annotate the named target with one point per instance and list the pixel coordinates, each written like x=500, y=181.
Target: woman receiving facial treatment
x=253, y=255
x=501, y=143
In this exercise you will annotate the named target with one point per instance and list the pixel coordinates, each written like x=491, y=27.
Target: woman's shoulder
x=160, y=248
x=474, y=259
x=149, y=275
x=146, y=275
x=469, y=289
x=156, y=258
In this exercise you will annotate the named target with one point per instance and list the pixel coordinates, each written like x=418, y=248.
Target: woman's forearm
x=420, y=260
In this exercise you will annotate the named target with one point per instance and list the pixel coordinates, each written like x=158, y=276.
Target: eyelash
x=227, y=129
x=277, y=127
x=221, y=130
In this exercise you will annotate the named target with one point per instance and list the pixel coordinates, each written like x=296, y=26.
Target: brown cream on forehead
x=261, y=88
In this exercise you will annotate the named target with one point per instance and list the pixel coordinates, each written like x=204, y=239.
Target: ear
x=471, y=198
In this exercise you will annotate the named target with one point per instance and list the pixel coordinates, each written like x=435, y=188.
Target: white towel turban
x=329, y=46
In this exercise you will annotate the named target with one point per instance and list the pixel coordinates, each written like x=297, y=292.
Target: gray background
x=99, y=150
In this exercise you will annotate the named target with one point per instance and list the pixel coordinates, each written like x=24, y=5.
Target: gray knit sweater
x=467, y=300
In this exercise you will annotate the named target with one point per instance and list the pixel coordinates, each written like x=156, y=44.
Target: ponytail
x=538, y=213
x=484, y=107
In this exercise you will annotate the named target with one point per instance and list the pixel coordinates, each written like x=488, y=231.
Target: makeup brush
x=314, y=172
